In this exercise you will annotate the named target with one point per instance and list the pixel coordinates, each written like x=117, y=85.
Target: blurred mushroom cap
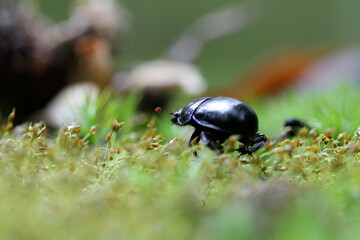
x=166, y=74
x=66, y=107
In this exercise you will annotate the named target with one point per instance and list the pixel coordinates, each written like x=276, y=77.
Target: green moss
x=142, y=181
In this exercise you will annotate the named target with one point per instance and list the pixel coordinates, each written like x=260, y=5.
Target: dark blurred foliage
x=38, y=58
x=22, y=77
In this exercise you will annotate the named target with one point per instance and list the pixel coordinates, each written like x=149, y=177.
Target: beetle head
x=175, y=115
x=175, y=118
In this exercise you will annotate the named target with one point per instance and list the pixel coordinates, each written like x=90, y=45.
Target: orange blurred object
x=95, y=59
x=272, y=76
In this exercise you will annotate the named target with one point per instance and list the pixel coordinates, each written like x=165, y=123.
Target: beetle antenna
x=160, y=110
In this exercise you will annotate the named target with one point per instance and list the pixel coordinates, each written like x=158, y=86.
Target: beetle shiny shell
x=217, y=118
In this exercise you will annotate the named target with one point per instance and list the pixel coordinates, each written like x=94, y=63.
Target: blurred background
x=302, y=25
x=258, y=50
x=106, y=64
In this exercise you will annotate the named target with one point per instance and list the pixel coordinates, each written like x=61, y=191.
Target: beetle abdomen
x=227, y=115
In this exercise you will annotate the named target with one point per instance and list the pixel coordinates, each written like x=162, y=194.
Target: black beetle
x=292, y=127
x=217, y=118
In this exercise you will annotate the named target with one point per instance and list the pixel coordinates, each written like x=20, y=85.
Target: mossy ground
x=141, y=181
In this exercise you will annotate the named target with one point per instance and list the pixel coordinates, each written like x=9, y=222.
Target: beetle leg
x=260, y=139
x=211, y=143
x=196, y=134
x=195, y=138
